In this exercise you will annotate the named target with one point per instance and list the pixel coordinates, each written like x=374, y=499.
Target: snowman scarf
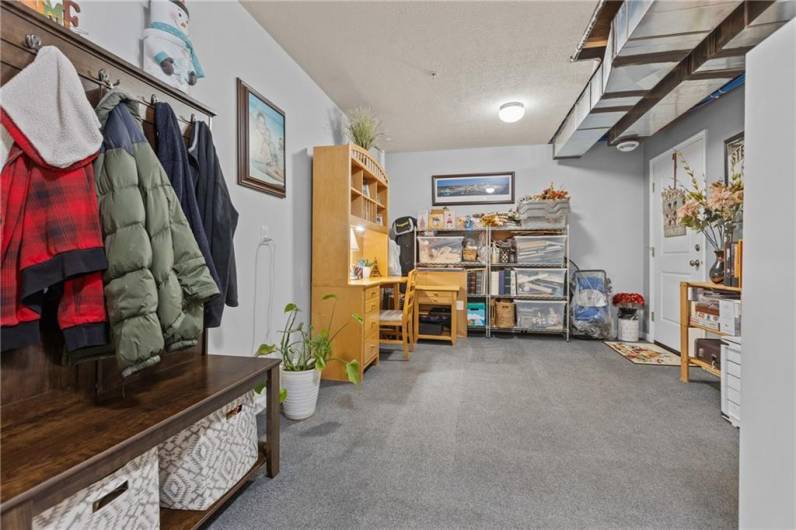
x=171, y=30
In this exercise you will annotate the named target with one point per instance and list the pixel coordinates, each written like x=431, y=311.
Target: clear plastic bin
x=550, y=251
x=439, y=249
x=541, y=283
x=539, y=315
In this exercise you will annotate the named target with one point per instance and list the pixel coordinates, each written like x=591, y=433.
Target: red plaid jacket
x=51, y=239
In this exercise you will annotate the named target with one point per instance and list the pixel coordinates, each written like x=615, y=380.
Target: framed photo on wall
x=733, y=156
x=261, y=143
x=473, y=188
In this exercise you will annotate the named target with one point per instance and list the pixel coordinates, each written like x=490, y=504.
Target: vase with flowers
x=713, y=211
x=629, y=307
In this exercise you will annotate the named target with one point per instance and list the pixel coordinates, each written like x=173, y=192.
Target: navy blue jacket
x=173, y=157
x=219, y=218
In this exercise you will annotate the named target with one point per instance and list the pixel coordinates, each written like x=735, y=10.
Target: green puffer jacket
x=157, y=281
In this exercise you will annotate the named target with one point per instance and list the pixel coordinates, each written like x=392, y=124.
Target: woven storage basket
x=504, y=314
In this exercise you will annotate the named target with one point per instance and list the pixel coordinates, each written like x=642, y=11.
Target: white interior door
x=676, y=255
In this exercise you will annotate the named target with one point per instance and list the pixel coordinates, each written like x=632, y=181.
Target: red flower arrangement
x=628, y=300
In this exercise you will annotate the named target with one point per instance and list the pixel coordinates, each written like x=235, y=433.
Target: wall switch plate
x=459, y=305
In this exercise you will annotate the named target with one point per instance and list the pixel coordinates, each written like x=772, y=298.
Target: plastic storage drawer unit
x=438, y=249
x=201, y=463
x=540, y=315
x=541, y=283
x=127, y=498
x=548, y=251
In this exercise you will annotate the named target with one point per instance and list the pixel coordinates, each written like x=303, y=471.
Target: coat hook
x=32, y=42
x=153, y=99
x=105, y=79
x=193, y=118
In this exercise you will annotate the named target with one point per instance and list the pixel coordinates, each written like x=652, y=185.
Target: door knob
x=694, y=263
x=697, y=247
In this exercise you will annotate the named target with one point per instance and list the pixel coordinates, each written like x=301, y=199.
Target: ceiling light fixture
x=627, y=144
x=511, y=111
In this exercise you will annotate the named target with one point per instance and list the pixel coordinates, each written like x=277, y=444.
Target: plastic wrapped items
x=547, y=251
x=591, y=316
x=538, y=315
x=541, y=283
x=438, y=249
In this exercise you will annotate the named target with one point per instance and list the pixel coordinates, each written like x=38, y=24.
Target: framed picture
x=473, y=188
x=733, y=156
x=261, y=143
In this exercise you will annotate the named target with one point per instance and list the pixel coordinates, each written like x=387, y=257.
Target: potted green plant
x=305, y=352
x=364, y=128
x=367, y=267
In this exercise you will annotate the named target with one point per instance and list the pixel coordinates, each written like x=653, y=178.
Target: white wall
x=607, y=189
x=768, y=408
x=231, y=44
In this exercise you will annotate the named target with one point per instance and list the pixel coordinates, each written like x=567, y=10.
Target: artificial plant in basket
x=305, y=352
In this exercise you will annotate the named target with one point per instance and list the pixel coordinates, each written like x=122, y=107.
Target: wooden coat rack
x=64, y=428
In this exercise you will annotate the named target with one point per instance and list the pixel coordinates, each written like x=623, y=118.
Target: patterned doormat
x=644, y=353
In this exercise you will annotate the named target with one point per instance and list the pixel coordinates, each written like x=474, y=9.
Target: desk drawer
x=435, y=297
x=370, y=327
x=371, y=307
x=371, y=350
x=372, y=293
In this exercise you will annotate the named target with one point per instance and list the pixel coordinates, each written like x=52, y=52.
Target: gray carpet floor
x=504, y=433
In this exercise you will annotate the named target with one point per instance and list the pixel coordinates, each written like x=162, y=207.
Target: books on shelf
x=502, y=283
x=476, y=282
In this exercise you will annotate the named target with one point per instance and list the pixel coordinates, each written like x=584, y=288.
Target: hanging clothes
x=173, y=157
x=157, y=280
x=219, y=217
x=51, y=238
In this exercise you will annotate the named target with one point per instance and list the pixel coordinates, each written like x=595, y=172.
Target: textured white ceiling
x=382, y=55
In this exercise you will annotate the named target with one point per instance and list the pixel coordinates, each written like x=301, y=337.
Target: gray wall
x=607, y=190
x=768, y=388
x=231, y=44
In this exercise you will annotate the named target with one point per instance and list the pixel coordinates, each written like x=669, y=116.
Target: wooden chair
x=397, y=325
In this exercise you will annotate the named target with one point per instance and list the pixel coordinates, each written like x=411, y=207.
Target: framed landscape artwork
x=261, y=143
x=472, y=188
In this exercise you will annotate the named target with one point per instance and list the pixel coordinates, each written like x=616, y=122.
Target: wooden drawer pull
x=231, y=413
x=109, y=497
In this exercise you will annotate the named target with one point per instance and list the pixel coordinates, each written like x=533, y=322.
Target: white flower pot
x=628, y=330
x=366, y=272
x=302, y=393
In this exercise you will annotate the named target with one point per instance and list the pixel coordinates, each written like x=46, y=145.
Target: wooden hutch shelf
x=686, y=361
x=349, y=222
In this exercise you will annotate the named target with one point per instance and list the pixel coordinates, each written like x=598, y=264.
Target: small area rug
x=644, y=353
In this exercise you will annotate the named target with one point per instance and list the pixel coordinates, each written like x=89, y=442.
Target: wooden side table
x=686, y=360
x=437, y=295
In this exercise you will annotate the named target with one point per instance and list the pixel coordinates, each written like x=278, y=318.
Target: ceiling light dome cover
x=511, y=111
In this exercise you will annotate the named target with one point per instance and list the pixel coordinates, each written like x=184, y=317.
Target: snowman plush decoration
x=168, y=52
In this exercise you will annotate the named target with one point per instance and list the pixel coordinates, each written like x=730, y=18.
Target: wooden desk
x=56, y=444
x=685, y=325
x=354, y=341
x=437, y=295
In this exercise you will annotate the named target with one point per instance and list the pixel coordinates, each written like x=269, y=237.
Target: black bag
x=403, y=230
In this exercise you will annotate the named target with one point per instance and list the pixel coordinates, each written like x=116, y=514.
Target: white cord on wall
x=265, y=242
